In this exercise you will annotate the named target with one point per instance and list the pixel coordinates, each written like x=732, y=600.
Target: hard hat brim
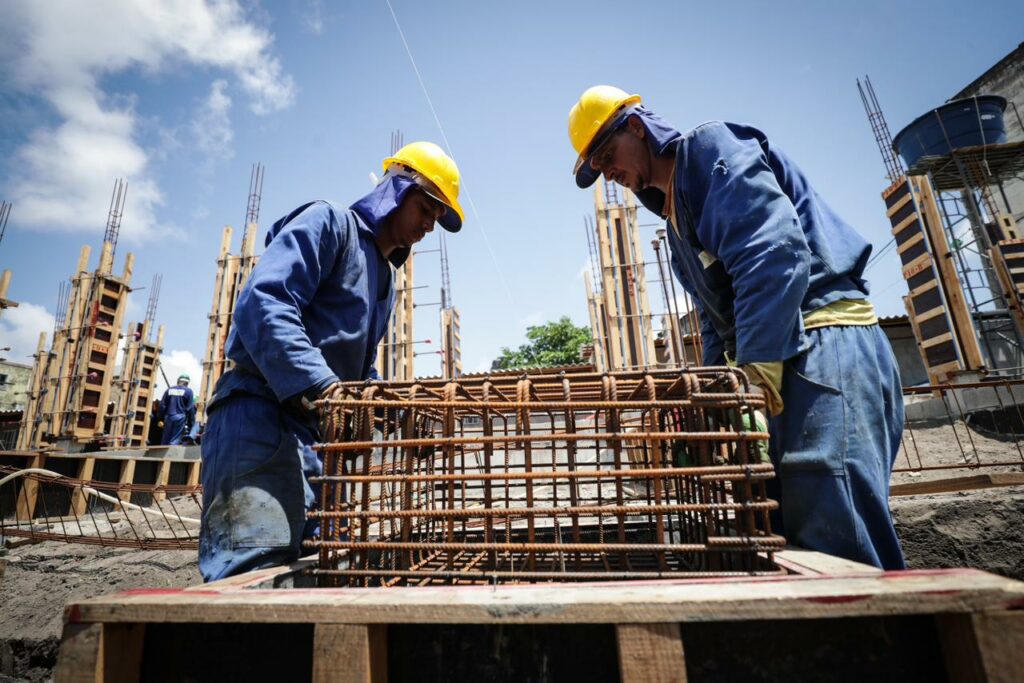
x=584, y=172
x=452, y=218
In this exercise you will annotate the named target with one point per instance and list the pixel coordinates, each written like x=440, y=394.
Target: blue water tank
x=960, y=123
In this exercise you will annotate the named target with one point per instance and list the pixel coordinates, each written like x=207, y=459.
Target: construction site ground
x=981, y=529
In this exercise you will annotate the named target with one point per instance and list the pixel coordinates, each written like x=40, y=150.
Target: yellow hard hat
x=436, y=173
x=596, y=108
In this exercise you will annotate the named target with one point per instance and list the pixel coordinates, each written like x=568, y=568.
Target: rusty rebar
x=543, y=477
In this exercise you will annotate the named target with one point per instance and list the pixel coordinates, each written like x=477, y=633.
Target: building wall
x=1006, y=78
x=13, y=385
x=904, y=346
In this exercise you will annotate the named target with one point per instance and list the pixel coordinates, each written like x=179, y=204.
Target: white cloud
x=20, y=328
x=177, y=362
x=313, y=19
x=61, y=49
x=531, y=319
x=212, y=123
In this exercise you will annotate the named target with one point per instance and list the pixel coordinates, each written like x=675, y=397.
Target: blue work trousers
x=834, y=445
x=174, y=430
x=257, y=458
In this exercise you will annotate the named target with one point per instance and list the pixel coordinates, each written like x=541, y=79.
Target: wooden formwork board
x=1008, y=263
x=968, y=625
x=82, y=466
x=627, y=306
x=139, y=370
x=935, y=303
x=232, y=274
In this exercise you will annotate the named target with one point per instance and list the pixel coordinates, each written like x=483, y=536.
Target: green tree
x=553, y=343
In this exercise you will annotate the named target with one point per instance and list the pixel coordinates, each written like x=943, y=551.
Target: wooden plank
x=887, y=593
x=650, y=653
x=919, y=237
x=122, y=652
x=966, y=335
x=813, y=562
x=902, y=225
x=935, y=341
x=899, y=204
x=933, y=313
x=350, y=653
x=982, y=647
x=978, y=481
x=80, y=657
x=193, y=473
x=80, y=501
x=163, y=475
x=29, y=492
x=126, y=476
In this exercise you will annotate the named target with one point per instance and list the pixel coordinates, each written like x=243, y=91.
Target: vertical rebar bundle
x=544, y=477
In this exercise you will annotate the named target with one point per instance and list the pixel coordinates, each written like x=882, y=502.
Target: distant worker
x=777, y=278
x=310, y=315
x=178, y=410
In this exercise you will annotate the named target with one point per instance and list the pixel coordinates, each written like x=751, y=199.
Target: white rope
x=93, y=492
x=448, y=146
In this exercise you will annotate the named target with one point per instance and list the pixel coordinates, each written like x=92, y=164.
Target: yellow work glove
x=768, y=378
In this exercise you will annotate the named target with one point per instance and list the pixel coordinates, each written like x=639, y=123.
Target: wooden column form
x=650, y=653
x=350, y=653
x=955, y=299
x=5, y=283
x=216, y=335
x=941, y=320
x=982, y=647
x=108, y=653
x=624, y=283
x=595, y=309
x=34, y=398
x=232, y=274
x=26, y=505
x=139, y=371
x=451, y=343
x=395, y=352
x=79, y=500
x=1008, y=263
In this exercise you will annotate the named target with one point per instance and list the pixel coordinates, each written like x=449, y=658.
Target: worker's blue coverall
x=758, y=249
x=311, y=313
x=177, y=408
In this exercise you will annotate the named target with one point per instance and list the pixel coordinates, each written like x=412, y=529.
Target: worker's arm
x=749, y=223
x=712, y=343
x=714, y=349
x=268, y=314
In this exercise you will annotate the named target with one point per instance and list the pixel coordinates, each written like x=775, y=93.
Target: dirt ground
x=955, y=446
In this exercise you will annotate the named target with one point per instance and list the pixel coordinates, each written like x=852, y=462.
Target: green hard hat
x=185, y=377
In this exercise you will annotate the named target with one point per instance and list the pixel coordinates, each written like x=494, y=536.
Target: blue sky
x=182, y=97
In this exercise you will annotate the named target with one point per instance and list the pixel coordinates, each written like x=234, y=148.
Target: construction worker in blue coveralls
x=178, y=409
x=777, y=279
x=310, y=315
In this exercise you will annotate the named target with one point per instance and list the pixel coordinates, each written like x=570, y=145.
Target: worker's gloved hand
x=767, y=382
x=757, y=421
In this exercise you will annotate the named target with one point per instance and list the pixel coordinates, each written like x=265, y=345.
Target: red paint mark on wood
x=837, y=599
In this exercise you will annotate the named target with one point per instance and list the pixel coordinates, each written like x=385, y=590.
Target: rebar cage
x=544, y=477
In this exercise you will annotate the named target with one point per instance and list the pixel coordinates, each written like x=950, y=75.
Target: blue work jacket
x=177, y=400
x=314, y=308
x=756, y=246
